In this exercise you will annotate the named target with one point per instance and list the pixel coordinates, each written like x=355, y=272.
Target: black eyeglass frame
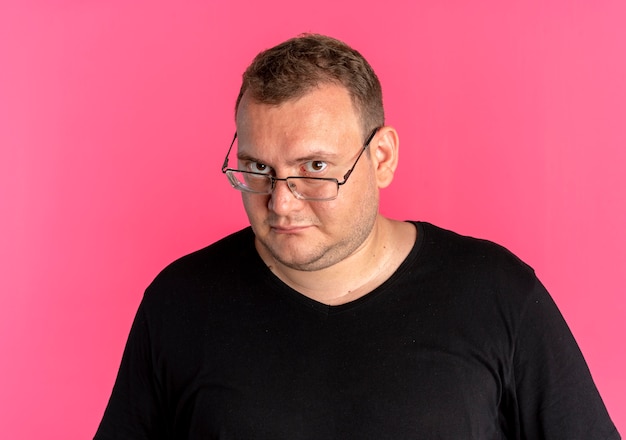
x=274, y=179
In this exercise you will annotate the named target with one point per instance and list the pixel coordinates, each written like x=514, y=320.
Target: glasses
x=303, y=188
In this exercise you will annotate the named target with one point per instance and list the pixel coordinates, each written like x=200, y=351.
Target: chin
x=293, y=258
x=299, y=262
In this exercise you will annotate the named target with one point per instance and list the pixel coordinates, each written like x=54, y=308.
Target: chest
x=291, y=373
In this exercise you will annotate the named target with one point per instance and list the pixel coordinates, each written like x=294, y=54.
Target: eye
x=258, y=167
x=315, y=166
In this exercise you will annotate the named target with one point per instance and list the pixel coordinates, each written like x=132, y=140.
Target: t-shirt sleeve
x=133, y=411
x=556, y=397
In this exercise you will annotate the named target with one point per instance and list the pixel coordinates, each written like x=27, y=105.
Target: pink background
x=115, y=116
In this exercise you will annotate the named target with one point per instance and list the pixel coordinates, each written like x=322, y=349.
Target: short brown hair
x=296, y=66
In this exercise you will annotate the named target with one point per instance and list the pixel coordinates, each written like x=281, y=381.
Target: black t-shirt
x=461, y=342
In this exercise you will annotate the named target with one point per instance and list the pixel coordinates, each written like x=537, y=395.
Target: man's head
x=309, y=109
x=297, y=66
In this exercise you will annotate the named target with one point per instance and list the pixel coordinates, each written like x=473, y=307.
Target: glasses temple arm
x=225, y=164
x=367, y=144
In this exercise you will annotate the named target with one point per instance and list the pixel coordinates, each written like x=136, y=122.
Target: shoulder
x=205, y=268
x=221, y=252
x=449, y=246
x=474, y=262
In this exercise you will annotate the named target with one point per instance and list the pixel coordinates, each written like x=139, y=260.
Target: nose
x=282, y=201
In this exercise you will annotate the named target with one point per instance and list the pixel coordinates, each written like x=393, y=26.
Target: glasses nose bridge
x=286, y=180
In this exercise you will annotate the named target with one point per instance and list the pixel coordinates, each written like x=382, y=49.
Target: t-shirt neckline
x=288, y=292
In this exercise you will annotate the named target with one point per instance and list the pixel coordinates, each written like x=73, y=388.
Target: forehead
x=325, y=112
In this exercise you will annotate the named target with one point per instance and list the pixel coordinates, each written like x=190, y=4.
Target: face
x=317, y=135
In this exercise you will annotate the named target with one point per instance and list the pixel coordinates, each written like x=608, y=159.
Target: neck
x=365, y=269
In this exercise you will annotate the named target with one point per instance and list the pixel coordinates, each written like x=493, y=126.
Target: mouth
x=288, y=229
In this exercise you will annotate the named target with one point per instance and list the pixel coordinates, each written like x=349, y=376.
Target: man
x=326, y=320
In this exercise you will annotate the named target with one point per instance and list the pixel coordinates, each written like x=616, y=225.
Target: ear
x=384, y=153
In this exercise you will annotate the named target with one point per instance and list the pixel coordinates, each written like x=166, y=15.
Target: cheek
x=332, y=214
x=360, y=202
x=254, y=204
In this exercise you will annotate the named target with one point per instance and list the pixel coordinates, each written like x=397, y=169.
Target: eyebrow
x=313, y=155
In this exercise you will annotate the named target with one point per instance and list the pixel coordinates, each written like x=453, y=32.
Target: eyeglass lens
x=301, y=187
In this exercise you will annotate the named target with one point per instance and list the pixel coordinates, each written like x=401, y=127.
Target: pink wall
x=114, y=120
